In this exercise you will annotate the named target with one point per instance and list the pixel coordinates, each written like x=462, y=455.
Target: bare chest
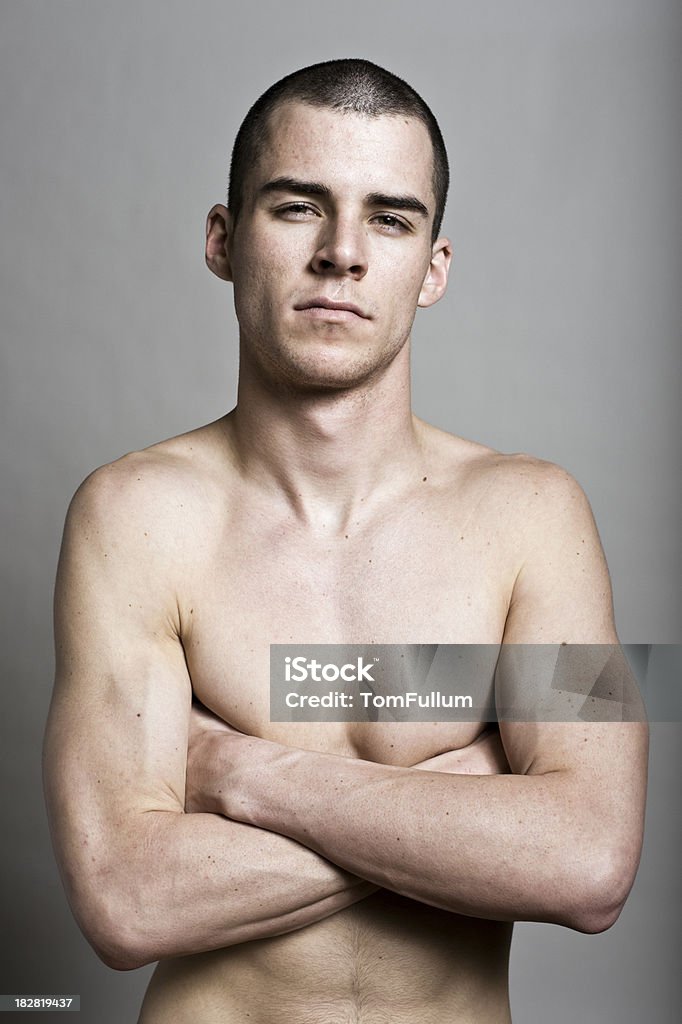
x=417, y=582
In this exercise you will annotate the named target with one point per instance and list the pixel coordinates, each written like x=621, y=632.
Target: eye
x=297, y=211
x=390, y=224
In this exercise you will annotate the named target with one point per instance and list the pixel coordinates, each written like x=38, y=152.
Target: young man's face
x=332, y=252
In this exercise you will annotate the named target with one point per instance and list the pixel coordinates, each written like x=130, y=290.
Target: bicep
x=562, y=591
x=568, y=703
x=117, y=732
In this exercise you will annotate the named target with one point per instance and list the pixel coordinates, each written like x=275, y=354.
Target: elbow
x=596, y=897
x=113, y=925
x=119, y=947
x=593, y=916
x=116, y=943
x=119, y=958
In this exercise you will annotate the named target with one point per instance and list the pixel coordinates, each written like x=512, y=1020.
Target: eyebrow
x=405, y=202
x=307, y=188
x=316, y=188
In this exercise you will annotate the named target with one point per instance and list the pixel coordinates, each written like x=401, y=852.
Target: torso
x=436, y=566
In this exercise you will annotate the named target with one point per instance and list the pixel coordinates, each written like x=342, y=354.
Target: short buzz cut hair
x=351, y=86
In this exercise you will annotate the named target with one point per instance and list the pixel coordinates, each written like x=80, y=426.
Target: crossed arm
x=266, y=849
x=145, y=880
x=554, y=845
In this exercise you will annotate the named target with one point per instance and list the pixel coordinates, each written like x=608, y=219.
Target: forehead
x=348, y=152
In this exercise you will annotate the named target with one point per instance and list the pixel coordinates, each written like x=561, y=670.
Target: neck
x=332, y=454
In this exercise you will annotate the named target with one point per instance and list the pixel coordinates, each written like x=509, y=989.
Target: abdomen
x=386, y=960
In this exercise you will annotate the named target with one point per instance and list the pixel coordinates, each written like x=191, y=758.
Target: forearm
x=504, y=847
x=170, y=884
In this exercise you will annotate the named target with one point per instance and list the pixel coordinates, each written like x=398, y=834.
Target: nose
x=342, y=249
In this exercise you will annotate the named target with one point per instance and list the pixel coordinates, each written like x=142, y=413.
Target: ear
x=219, y=242
x=436, y=279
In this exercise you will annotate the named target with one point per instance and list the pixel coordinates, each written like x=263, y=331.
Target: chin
x=324, y=368
x=329, y=375
x=331, y=365
x=323, y=380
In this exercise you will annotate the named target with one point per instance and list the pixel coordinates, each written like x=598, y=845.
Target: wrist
x=248, y=774
x=203, y=782
x=276, y=792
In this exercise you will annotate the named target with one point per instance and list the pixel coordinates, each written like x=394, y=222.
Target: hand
x=221, y=763
x=485, y=756
x=200, y=785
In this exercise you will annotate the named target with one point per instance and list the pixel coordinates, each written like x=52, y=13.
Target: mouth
x=327, y=309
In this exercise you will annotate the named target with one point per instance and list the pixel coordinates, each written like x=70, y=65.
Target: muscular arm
x=556, y=841
x=145, y=880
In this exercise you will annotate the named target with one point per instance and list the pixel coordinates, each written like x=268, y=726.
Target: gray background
x=559, y=336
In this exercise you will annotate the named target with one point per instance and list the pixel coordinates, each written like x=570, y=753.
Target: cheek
x=247, y=288
x=402, y=272
x=402, y=293
x=266, y=266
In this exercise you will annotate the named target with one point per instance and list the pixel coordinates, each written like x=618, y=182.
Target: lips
x=322, y=304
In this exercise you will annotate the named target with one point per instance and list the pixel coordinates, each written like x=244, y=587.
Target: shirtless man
x=324, y=873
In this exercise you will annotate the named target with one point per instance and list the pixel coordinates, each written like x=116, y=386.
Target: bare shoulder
x=562, y=590
x=539, y=490
x=536, y=518
x=534, y=508
x=528, y=486
x=540, y=503
x=132, y=522
x=160, y=481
